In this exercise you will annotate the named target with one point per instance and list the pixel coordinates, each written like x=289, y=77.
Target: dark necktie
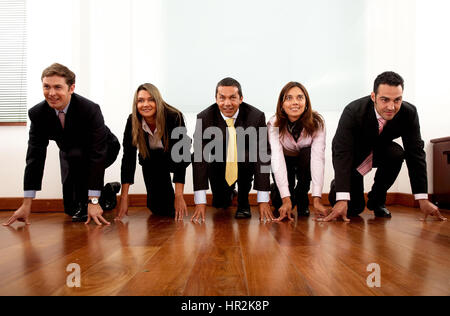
x=295, y=129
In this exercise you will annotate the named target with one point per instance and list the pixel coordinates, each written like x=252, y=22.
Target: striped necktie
x=367, y=165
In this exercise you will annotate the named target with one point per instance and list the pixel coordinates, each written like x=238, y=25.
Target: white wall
x=432, y=69
x=50, y=30
x=184, y=47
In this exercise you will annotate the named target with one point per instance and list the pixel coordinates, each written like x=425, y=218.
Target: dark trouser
x=298, y=168
x=158, y=182
x=388, y=162
x=223, y=193
x=74, y=175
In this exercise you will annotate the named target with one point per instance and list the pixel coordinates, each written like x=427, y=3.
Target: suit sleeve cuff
x=200, y=197
x=421, y=196
x=94, y=193
x=263, y=197
x=179, y=176
x=342, y=196
x=29, y=194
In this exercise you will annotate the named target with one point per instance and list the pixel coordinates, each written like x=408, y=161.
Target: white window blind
x=13, y=68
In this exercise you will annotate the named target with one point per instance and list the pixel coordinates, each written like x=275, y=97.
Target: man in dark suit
x=236, y=128
x=87, y=148
x=364, y=139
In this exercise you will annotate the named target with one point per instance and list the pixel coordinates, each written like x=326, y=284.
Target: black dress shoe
x=80, y=214
x=226, y=204
x=304, y=213
x=108, y=198
x=379, y=210
x=243, y=213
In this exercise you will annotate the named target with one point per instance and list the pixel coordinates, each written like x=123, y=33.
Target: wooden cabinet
x=441, y=171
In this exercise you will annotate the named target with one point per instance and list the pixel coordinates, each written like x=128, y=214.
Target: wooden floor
x=149, y=255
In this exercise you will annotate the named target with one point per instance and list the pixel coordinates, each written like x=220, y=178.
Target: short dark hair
x=229, y=82
x=61, y=71
x=390, y=78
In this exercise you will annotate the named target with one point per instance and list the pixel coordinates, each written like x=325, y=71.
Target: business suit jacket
x=357, y=136
x=173, y=120
x=249, y=116
x=85, y=135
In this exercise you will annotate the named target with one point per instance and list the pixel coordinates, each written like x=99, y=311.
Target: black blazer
x=357, y=136
x=249, y=116
x=84, y=135
x=173, y=120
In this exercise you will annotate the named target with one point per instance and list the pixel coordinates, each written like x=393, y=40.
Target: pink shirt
x=317, y=144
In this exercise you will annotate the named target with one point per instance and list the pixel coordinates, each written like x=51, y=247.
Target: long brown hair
x=311, y=120
x=162, y=108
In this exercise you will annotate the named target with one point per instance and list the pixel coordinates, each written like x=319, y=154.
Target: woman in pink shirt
x=297, y=139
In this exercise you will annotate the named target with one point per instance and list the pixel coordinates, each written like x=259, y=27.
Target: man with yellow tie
x=231, y=147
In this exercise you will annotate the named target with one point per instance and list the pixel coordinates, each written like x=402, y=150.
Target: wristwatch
x=93, y=201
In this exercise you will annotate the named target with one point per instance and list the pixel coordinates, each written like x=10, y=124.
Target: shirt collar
x=147, y=129
x=227, y=118
x=376, y=113
x=64, y=110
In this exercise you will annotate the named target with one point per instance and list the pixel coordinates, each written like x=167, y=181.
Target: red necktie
x=367, y=165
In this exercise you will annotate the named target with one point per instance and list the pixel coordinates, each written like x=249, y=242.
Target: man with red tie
x=365, y=139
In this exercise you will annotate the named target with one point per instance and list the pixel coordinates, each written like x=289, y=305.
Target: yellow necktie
x=231, y=173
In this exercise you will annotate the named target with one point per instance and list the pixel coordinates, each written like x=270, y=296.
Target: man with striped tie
x=365, y=139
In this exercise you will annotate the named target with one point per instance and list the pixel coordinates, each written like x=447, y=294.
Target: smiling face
x=229, y=100
x=294, y=104
x=146, y=105
x=388, y=100
x=57, y=93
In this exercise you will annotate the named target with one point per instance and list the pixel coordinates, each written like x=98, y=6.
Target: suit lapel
x=372, y=123
x=53, y=121
x=70, y=115
x=219, y=121
x=240, y=120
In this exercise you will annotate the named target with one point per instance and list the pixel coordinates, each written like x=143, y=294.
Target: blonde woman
x=148, y=131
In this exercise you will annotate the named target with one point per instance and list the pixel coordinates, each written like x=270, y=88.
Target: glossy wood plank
x=324, y=272
x=219, y=269
x=151, y=255
x=81, y=244
x=110, y=275
x=169, y=269
x=268, y=270
x=365, y=241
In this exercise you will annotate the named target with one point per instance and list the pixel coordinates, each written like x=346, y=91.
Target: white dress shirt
x=153, y=141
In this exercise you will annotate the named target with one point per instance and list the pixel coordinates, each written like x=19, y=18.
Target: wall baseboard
x=56, y=205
